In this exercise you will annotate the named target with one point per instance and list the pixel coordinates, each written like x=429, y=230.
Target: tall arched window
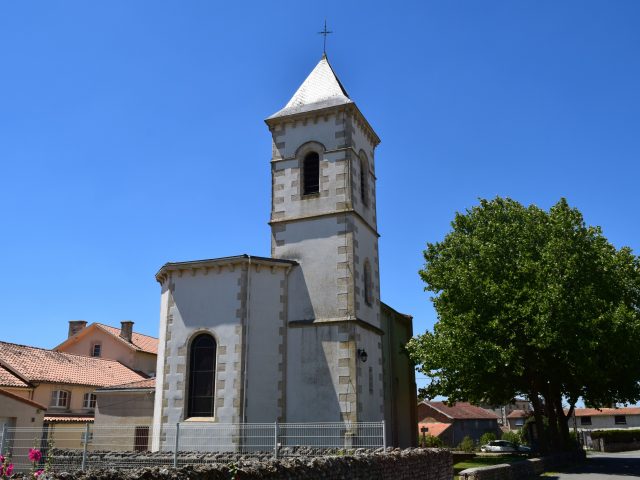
x=368, y=283
x=202, y=372
x=311, y=173
x=364, y=180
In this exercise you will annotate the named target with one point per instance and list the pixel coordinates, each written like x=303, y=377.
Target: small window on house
x=202, y=372
x=364, y=180
x=368, y=284
x=311, y=174
x=620, y=420
x=60, y=399
x=585, y=420
x=96, y=350
x=89, y=401
x=519, y=422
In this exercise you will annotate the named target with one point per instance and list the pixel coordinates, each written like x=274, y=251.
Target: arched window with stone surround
x=311, y=173
x=364, y=180
x=202, y=373
x=368, y=284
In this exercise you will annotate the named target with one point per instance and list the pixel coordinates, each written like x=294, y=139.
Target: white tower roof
x=321, y=89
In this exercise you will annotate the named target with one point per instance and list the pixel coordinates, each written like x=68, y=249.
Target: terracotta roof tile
x=435, y=428
x=462, y=411
x=22, y=399
x=518, y=414
x=69, y=418
x=8, y=379
x=142, y=384
x=594, y=412
x=143, y=343
x=40, y=365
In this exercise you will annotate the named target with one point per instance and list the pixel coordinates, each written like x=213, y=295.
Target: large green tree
x=535, y=303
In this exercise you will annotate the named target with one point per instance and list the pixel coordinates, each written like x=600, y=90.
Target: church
x=301, y=336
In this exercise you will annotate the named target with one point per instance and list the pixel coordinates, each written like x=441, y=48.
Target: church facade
x=301, y=336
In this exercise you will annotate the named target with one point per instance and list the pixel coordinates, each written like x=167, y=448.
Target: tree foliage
x=531, y=302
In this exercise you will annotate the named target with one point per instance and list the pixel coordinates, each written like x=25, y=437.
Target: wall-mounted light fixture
x=362, y=355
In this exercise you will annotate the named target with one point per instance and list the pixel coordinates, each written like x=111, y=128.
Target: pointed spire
x=321, y=89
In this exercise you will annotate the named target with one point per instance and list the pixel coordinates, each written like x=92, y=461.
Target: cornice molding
x=216, y=265
x=334, y=213
x=313, y=115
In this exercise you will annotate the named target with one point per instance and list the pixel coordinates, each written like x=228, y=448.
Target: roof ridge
x=119, y=328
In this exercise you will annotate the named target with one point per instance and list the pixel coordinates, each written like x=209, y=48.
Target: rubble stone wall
x=397, y=464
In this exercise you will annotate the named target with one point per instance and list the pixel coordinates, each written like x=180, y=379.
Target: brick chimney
x=126, y=330
x=75, y=326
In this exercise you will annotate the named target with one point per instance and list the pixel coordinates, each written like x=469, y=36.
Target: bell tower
x=323, y=205
x=323, y=216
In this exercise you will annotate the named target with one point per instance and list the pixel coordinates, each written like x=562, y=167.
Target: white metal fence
x=68, y=448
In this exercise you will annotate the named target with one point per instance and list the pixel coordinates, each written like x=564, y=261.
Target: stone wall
x=526, y=469
x=396, y=464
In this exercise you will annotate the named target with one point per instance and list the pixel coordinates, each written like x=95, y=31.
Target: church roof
x=214, y=262
x=321, y=89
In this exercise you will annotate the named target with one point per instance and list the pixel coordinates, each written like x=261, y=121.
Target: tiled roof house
x=607, y=418
x=462, y=419
x=63, y=382
x=135, y=350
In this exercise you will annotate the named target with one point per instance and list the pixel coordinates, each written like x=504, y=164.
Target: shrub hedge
x=617, y=436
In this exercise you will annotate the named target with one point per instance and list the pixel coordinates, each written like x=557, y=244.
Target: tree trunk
x=542, y=440
x=563, y=422
x=549, y=407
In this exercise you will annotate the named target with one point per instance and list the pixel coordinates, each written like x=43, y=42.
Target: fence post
x=85, y=447
x=3, y=438
x=177, y=445
x=384, y=435
x=275, y=439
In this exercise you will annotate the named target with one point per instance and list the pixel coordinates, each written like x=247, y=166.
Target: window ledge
x=201, y=420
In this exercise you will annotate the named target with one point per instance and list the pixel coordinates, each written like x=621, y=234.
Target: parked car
x=503, y=446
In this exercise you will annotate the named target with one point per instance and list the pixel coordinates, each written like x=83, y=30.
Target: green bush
x=467, y=445
x=429, y=441
x=513, y=437
x=617, y=436
x=487, y=437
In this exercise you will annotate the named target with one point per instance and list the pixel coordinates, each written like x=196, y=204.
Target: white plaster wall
x=265, y=335
x=360, y=142
x=300, y=131
x=315, y=245
x=288, y=199
x=608, y=421
x=366, y=247
x=203, y=303
x=313, y=373
x=370, y=387
x=160, y=367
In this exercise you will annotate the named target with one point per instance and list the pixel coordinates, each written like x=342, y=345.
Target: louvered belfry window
x=311, y=173
x=202, y=372
x=364, y=181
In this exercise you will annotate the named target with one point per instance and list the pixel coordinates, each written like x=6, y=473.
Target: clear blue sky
x=132, y=134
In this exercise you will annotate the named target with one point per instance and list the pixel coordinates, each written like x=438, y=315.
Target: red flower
x=34, y=455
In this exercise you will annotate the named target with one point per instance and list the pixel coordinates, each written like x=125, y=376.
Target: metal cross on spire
x=324, y=33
